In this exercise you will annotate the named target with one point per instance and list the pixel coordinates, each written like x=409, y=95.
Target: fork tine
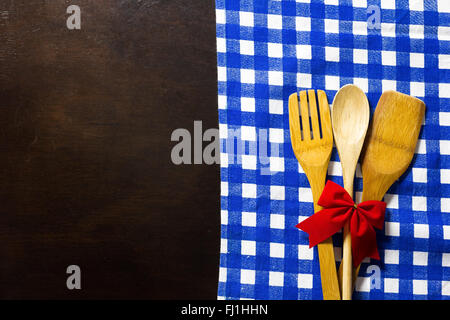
x=294, y=121
x=313, y=113
x=325, y=118
x=305, y=116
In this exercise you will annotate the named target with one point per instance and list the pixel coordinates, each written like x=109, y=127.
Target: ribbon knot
x=338, y=208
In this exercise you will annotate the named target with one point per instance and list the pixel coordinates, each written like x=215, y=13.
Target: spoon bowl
x=350, y=117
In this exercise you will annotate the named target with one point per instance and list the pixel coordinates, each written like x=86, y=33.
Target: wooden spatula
x=313, y=151
x=390, y=144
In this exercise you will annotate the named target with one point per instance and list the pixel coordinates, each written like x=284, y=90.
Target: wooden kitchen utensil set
x=387, y=151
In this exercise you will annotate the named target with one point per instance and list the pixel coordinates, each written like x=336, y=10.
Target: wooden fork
x=313, y=152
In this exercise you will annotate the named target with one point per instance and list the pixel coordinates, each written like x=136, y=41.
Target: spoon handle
x=368, y=193
x=347, y=264
x=347, y=283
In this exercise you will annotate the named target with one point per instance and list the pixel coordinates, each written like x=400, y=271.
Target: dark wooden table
x=85, y=167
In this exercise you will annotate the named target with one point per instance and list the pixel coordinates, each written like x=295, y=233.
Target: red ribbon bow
x=340, y=208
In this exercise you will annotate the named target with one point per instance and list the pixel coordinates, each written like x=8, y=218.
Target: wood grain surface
x=85, y=171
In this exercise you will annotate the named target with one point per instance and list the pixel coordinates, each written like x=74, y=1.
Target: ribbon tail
x=364, y=240
x=323, y=224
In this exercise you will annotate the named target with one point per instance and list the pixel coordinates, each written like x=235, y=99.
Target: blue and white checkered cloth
x=267, y=50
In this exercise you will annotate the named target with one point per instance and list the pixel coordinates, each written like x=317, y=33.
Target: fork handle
x=328, y=272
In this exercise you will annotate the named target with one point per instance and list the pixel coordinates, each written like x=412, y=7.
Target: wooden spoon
x=350, y=118
x=390, y=145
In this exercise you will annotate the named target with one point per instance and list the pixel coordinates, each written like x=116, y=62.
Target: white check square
x=388, y=58
x=221, y=45
x=248, y=248
x=246, y=19
x=360, y=3
x=416, y=31
x=416, y=60
x=248, y=133
x=249, y=219
x=305, y=281
x=224, y=217
x=331, y=26
x=444, y=89
x=445, y=288
x=305, y=195
x=275, y=106
x=444, y=61
x=247, y=47
x=443, y=6
x=332, y=83
x=275, y=50
x=303, y=23
x=392, y=229
x=417, y=89
x=304, y=80
x=224, y=188
x=276, y=279
x=388, y=29
x=419, y=203
x=220, y=16
x=303, y=51
x=446, y=230
x=222, y=274
x=276, y=164
x=275, y=78
x=416, y=5
x=390, y=285
x=360, y=28
x=360, y=56
x=362, y=83
x=420, y=287
x=277, y=250
x=420, y=258
x=222, y=74
x=444, y=118
x=305, y=253
x=332, y=54
x=247, y=104
x=445, y=203
x=276, y=221
x=248, y=190
x=274, y=21
x=247, y=276
x=248, y=76
x=388, y=4
x=391, y=256
x=277, y=192
x=388, y=84
x=276, y=135
x=391, y=200
x=421, y=231
x=446, y=259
